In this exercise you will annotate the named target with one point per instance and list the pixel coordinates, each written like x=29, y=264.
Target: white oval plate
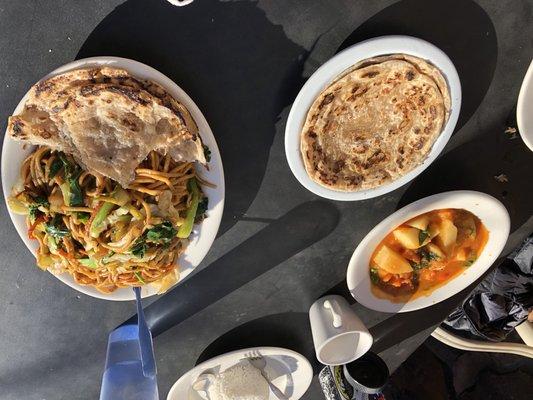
x=204, y=234
x=327, y=73
x=490, y=211
x=289, y=371
x=524, y=115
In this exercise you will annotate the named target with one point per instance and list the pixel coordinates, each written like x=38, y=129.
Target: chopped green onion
x=88, y=262
x=186, y=229
x=139, y=277
x=52, y=243
x=98, y=224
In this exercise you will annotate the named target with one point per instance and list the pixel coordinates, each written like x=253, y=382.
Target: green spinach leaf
x=33, y=208
x=202, y=207
x=56, y=227
x=139, y=247
x=41, y=201
x=161, y=234
x=76, y=195
x=420, y=265
x=55, y=167
x=374, y=277
x=468, y=263
x=207, y=153
x=33, y=213
x=83, y=217
x=72, y=173
x=422, y=236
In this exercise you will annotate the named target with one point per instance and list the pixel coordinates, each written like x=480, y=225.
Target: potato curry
x=425, y=252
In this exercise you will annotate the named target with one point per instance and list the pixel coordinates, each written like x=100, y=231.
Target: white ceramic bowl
x=524, y=108
x=490, y=211
x=203, y=236
x=327, y=73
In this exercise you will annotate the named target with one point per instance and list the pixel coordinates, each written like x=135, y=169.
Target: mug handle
x=332, y=306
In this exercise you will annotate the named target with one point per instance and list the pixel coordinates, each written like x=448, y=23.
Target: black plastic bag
x=500, y=302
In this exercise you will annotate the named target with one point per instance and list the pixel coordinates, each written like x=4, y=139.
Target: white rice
x=240, y=382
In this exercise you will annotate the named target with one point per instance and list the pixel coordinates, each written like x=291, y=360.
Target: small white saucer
x=289, y=371
x=524, y=109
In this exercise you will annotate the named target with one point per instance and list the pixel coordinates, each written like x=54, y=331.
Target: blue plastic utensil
x=130, y=371
x=145, y=339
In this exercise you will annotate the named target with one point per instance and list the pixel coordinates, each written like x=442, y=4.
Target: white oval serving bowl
x=489, y=210
x=524, y=109
x=327, y=73
x=204, y=234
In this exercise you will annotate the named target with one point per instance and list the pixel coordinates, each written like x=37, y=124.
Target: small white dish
x=180, y=3
x=333, y=68
x=339, y=336
x=489, y=210
x=13, y=154
x=289, y=371
x=524, y=109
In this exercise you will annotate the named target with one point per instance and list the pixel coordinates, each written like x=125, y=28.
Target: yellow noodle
x=146, y=190
x=157, y=177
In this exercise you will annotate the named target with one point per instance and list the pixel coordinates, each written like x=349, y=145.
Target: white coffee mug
x=339, y=335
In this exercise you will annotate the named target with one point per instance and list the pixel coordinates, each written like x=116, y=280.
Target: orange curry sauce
x=429, y=270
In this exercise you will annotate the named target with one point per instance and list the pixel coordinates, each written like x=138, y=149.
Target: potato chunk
x=392, y=262
x=410, y=237
x=447, y=237
x=433, y=248
x=433, y=230
x=461, y=255
x=421, y=222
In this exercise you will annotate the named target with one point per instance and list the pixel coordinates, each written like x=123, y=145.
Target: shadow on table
x=461, y=28
x=475, y=166
x=286, y=236
x=289, y=330
x=239, y=68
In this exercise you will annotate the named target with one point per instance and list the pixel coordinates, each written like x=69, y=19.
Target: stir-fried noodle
x=102, y=234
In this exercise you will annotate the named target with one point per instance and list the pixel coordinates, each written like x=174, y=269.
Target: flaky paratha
x=51, y=93
x=374, y=123
x=108, y=120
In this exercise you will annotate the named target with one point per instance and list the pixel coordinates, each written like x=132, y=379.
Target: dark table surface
x=279, y=246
